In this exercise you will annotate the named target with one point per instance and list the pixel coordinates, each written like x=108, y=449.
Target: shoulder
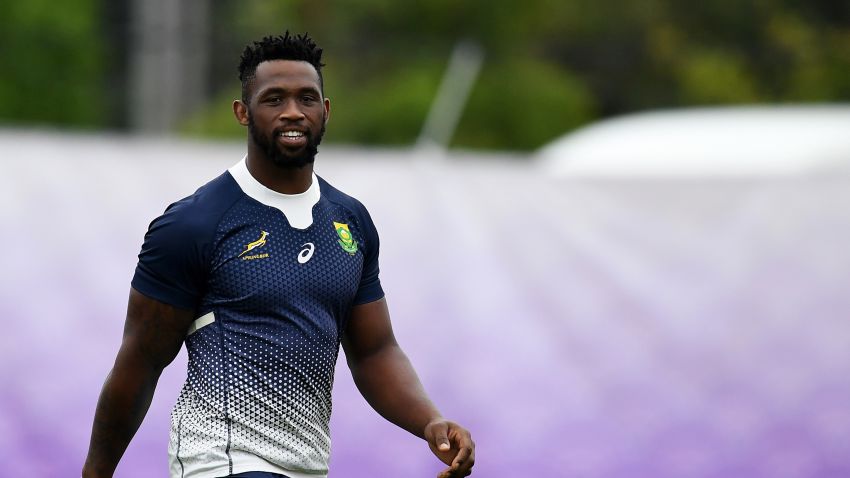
x=199, y=213
x=342, y=199
x=176, y=252
x=358, y=213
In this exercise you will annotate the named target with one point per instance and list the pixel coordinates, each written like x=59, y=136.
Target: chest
x=263, y=263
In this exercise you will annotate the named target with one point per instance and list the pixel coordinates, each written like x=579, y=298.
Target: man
x=263, y=272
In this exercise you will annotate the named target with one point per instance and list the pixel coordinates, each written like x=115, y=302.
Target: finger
x=465, y=458
x=451, y=473
x=461, y=457
x=447, y=473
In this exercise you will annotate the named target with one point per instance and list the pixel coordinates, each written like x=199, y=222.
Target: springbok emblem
x=258, y=243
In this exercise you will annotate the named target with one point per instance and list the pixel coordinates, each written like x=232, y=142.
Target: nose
x=291, y=111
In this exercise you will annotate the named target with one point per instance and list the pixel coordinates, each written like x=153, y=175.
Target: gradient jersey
x=272, y=301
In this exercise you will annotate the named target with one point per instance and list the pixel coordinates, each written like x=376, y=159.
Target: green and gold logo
x=346, y=240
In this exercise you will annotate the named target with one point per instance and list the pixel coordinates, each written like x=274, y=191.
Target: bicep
x=369, y=330
x=154, y=331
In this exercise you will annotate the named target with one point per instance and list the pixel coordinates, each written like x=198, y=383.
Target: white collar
x=298, y=208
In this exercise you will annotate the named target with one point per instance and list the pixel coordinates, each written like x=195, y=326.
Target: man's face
x=286, y=112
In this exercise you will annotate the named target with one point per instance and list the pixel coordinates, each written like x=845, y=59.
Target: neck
x=282, y=180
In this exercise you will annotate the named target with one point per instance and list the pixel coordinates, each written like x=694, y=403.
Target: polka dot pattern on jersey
x=260, y=375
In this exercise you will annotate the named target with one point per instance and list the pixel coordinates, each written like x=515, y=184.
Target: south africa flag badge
x=346, y=241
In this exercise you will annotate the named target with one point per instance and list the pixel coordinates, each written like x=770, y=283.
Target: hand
x=453, y=445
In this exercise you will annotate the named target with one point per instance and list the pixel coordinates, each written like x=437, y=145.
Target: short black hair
x=280, y=47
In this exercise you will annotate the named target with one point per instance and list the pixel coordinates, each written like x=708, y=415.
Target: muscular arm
x=385, y=377
x=153, y=335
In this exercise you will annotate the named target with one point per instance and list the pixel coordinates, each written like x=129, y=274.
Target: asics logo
x=306, y=253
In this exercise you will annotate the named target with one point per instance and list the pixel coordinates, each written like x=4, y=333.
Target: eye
x=273, y=100
x=309, y=99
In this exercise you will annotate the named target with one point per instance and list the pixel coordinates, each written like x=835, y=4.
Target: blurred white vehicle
x=706, y=142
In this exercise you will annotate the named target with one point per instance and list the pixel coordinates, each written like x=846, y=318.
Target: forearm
x=386, y=379
x=388, y=382
x=123, y=403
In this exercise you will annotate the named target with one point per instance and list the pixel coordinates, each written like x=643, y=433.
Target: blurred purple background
x=580, y=328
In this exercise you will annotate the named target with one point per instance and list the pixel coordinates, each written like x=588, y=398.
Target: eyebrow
x=278, y=89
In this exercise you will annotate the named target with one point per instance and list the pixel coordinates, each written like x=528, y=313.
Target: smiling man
x=263, y=273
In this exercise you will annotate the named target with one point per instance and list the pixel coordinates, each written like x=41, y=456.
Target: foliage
x=522, y=103
x=53, y=63
x=551, y=65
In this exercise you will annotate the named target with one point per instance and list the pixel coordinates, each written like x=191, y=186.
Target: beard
x=278, y=156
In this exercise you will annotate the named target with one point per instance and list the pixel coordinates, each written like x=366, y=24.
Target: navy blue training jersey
x=272, y=302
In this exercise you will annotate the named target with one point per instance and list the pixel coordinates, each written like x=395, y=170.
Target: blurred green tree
x=53, y=60
x=550, y=65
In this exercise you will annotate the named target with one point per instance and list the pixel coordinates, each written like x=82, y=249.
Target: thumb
x=440, y=436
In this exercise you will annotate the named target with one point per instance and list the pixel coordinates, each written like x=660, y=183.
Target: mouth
x=291, y=138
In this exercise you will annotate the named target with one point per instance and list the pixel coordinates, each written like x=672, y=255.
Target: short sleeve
x=369, y=289
x=172, y=265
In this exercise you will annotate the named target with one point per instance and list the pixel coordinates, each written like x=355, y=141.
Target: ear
x=240, y=111
x=327, y=110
